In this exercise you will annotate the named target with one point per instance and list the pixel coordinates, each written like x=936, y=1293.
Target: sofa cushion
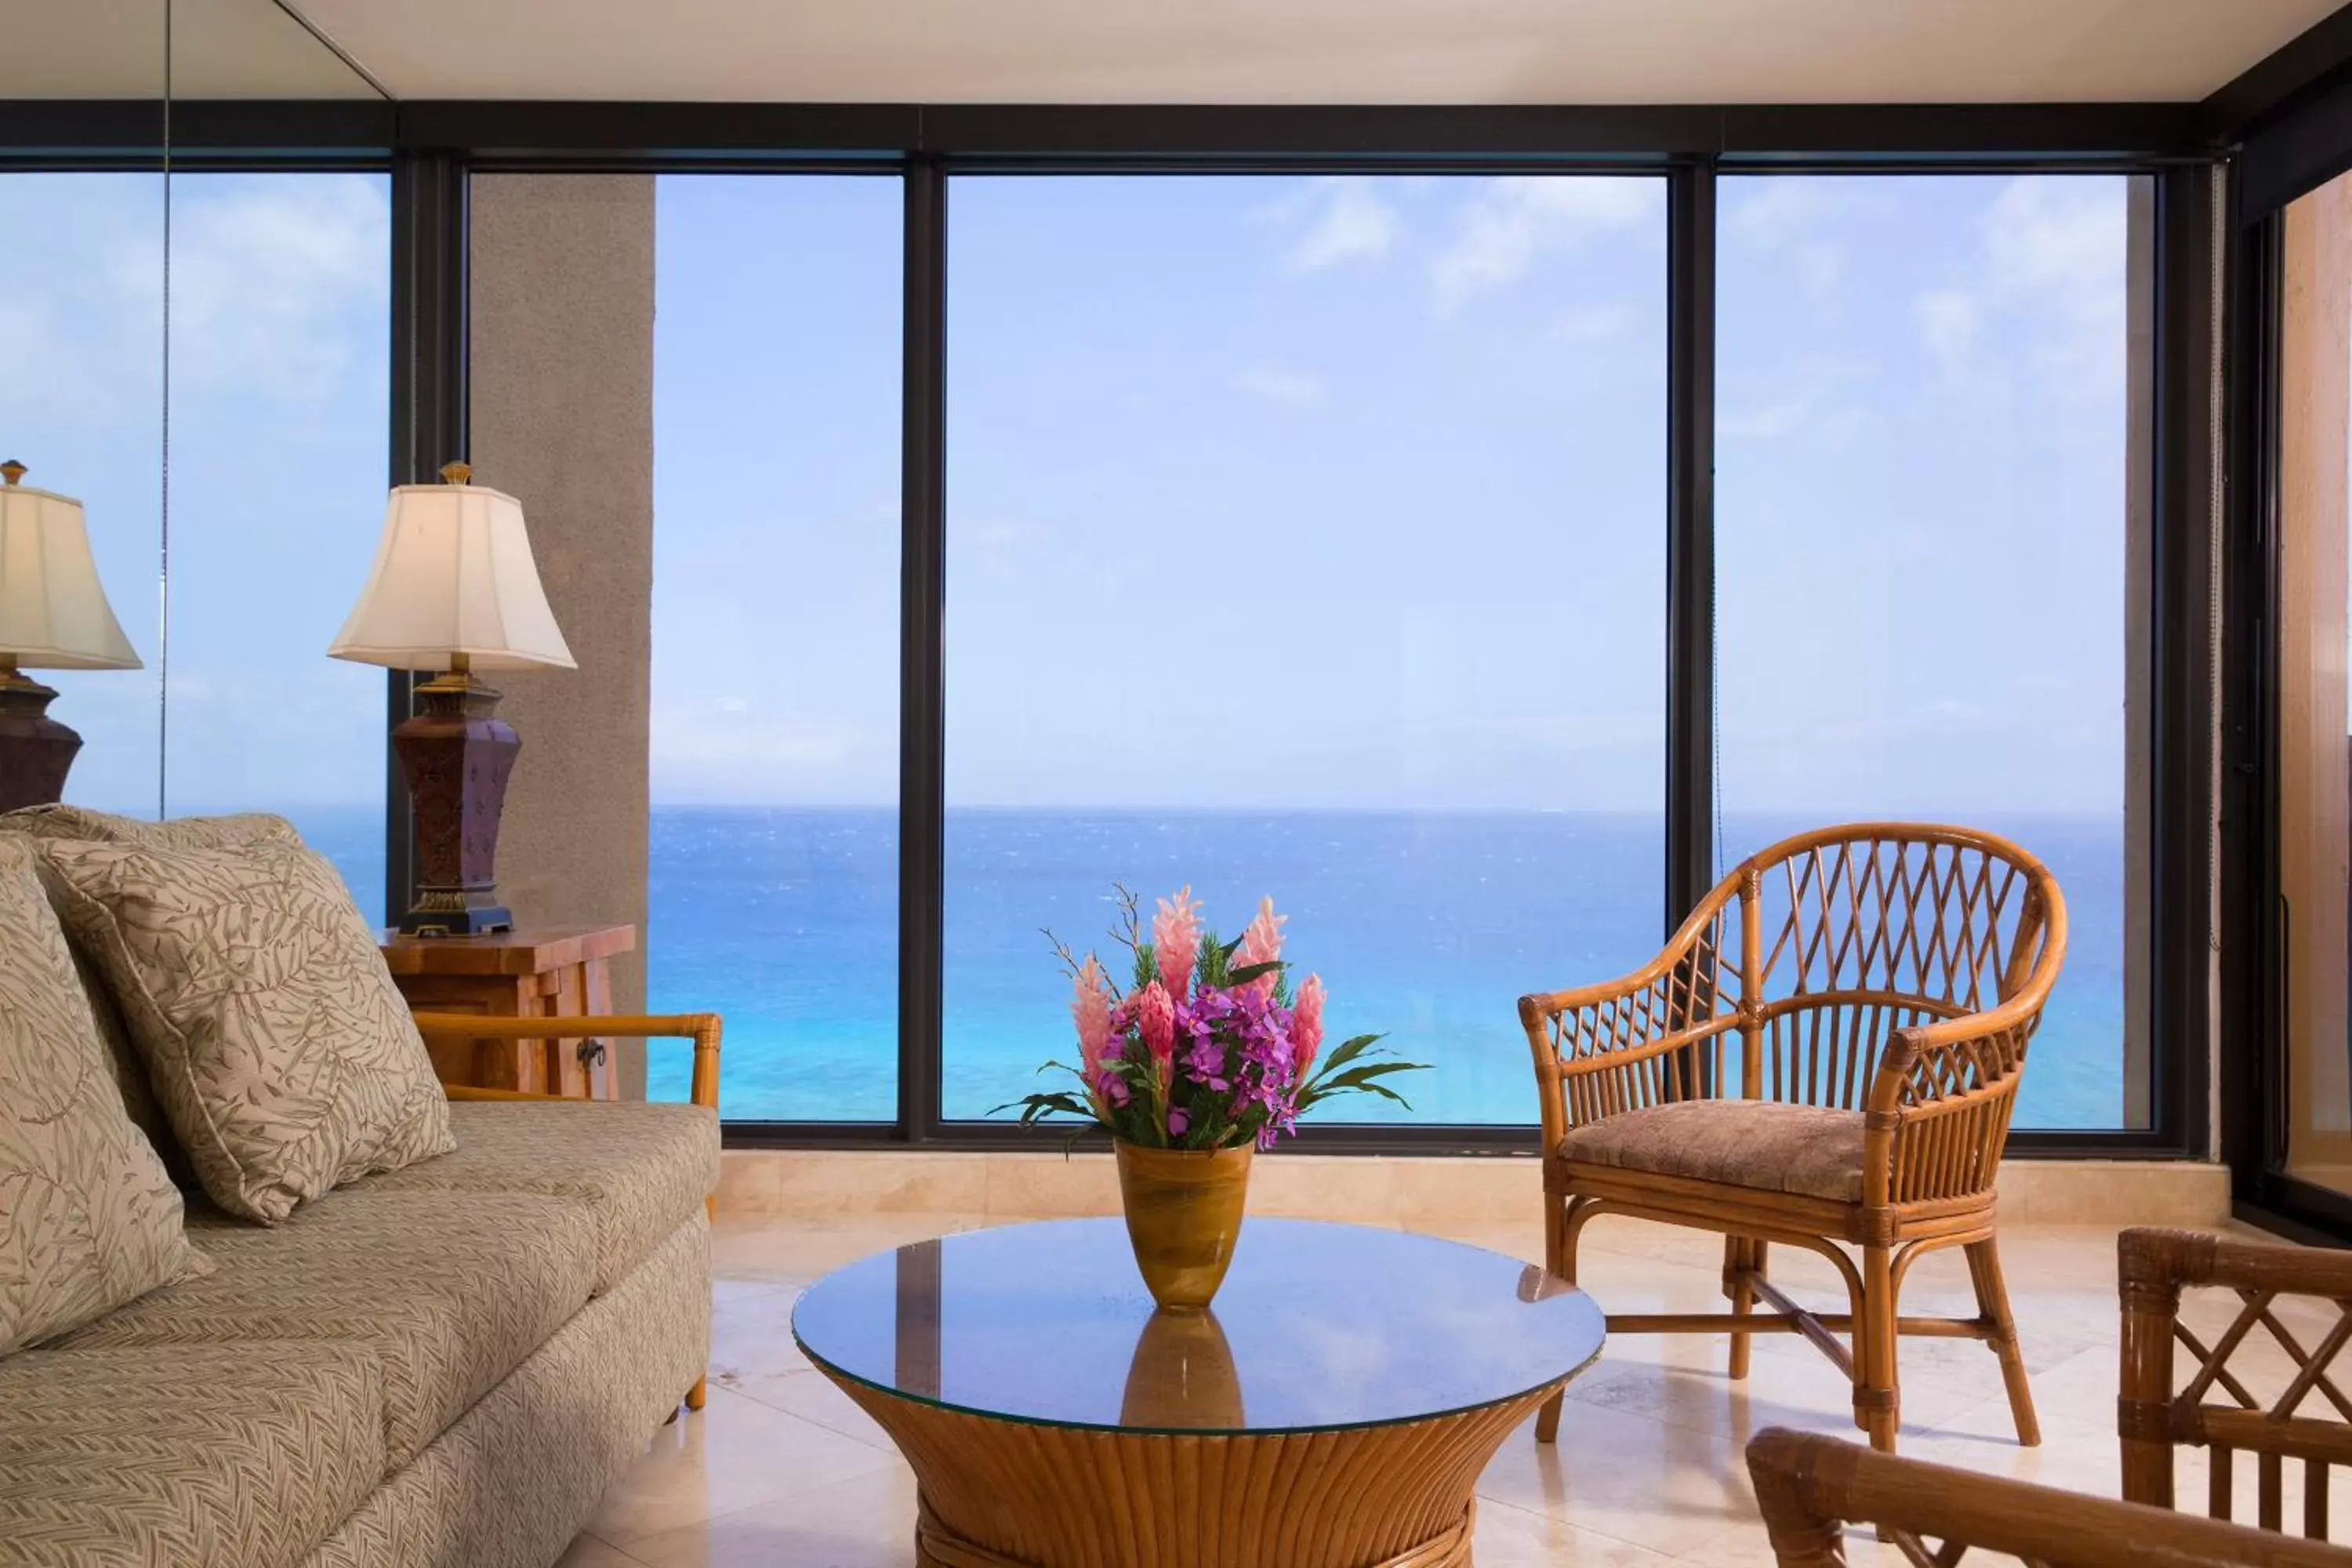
x=284, y=1056
x=88, y=1218
x=250, y=1454
x=1808, y=1149
x=642, y=1169
x=449, y=1291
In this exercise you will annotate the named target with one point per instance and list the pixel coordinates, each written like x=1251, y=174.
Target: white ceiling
x=1157, y=51
x=1314, y=51
x=114, y=48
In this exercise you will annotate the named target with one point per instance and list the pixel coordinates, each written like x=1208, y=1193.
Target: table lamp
x=454, y=591
x=53, y=615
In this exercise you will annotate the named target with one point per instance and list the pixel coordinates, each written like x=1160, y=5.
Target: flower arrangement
x=1209, y=1048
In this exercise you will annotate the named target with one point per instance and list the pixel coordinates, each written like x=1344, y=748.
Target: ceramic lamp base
x=36, y=750
x=456, y=757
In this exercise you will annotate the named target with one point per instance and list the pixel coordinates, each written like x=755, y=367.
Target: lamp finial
x=456, y=473
x=12, y=470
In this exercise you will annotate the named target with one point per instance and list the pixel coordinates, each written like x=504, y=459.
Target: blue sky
x=1262, y=491
x=1280, y=492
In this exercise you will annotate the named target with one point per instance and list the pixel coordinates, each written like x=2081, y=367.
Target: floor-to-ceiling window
x=773, y=845
x=230, y=570
x=81, y=310
x=1925, y=546
x=282, y=293
x=1306, y=539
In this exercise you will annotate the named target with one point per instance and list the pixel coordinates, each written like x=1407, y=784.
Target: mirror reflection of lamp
x=454, y=591
x=53, y=615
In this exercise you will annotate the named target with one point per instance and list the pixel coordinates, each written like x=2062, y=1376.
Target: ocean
x=1425, y=926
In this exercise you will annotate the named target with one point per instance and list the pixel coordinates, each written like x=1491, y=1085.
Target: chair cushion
x=284, y=1056
x=88, y=1218
x=1807, y=1149
x=642, y=1169
x=448, y=1290
x=249, y=1453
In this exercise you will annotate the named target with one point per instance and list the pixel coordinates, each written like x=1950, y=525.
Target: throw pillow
x=81, y=824
x=286, y=1058
x=88, y=1218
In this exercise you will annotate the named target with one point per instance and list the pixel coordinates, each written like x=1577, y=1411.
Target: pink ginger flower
x=1090, y=1008
x=1262, y=944
x=1176, y=939
x=1307, y=1025
x=1156, y=1016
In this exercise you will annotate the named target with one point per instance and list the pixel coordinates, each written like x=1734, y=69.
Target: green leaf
x=1212, y=959
x=1249, y=971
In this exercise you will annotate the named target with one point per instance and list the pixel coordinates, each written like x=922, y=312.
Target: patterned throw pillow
x=87, y=1219
x=80, y=823
x=284, y=1056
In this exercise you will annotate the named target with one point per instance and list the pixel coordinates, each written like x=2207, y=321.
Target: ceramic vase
x=1183, y=1216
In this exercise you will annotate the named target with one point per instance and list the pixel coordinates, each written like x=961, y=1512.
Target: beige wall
x=561, y=402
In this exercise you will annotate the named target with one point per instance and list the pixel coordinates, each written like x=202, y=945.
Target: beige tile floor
x=780, y=1469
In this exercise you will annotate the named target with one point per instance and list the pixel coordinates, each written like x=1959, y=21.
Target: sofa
x=445, y=1363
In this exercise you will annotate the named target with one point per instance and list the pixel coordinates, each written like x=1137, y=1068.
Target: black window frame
x=433, y=149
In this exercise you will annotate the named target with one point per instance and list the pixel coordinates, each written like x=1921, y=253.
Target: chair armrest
x=702, y=1028
x=1615, y=1046
x=1810, y=1485
x=1937, y=1116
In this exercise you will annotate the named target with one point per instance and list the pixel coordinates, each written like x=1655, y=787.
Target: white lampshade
x=53, y=611
x=453, y=576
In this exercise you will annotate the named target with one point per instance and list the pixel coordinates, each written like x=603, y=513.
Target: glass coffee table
x=1333, y=1409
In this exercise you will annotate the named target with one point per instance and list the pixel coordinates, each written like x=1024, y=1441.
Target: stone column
x=561, y=400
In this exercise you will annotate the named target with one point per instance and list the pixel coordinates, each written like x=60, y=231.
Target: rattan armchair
x=1810, y=1488
x=2262, y=1386
x=1825, y=1056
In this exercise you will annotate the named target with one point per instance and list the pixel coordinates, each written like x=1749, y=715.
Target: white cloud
x=2051, y=259
x=1948, y=320
x=706, y=750
x=82, y=296
x=1594, y=324
x=1517, y=218
x=1346, y=221
x=1812, y=398
x=1294, y=388
x=261, y=270
x=2058, y=236
x=1773, y=212
x=1793, y=216
x=999, y=548
x=1783, y=416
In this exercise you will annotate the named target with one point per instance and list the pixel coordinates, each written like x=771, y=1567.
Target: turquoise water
x=1428, y=926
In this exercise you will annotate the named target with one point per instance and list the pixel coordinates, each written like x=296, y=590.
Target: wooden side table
x=560, y=972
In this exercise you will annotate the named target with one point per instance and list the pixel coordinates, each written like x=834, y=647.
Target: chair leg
x=1992, y=1302
x=1559, y=1258
x=1743, y=1264
x=1877, y=1400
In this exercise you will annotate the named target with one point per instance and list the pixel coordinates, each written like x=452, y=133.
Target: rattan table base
x=1011, y=1494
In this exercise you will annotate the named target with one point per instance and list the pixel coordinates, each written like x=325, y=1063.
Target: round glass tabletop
x=1318, y=1326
